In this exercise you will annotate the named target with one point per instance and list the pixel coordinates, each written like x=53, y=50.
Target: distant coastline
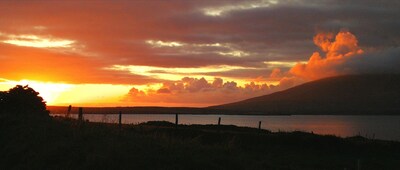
x=179, y=110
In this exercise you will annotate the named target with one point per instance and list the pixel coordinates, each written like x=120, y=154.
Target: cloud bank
x=198, y=92
x=341, y=55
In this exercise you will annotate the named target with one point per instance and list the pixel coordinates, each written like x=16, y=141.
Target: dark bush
x=22, y=100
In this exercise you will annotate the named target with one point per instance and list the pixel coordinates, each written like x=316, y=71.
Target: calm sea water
x=378, y=127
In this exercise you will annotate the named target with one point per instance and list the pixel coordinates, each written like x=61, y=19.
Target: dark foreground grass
x=59, y=143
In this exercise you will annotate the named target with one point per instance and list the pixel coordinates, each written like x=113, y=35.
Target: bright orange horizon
x=182, y=54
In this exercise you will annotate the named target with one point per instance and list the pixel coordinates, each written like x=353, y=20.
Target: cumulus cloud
x=338, y=49
x=198, y=92
x=287, y=82
x=276, y=73
x=136, y=93
x=344, y=56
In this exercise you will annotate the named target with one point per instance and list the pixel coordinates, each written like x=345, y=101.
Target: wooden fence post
x=219, y=123
x=176, y=119
x=120, y=120
x=69, y=110
x=80, y=115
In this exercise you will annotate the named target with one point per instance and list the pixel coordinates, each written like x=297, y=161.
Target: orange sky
x=98, y=53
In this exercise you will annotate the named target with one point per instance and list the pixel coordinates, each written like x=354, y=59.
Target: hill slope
x=352, y=94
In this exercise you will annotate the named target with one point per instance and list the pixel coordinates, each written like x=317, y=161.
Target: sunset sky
x=190, y=52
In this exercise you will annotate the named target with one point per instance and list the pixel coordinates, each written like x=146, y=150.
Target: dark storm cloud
x=383, y=61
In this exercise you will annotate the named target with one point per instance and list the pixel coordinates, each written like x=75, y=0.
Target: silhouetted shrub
x=3, y=99
x=22, y=100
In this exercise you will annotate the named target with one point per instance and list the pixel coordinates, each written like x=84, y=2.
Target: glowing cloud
x=235, y=53
x=223, y=49
x=218, y=11
x=280, y=64
x=209, y=45
x=196, y=92
x=36, y=41
x=174, y=74
x=160, y=43
x=338, y=50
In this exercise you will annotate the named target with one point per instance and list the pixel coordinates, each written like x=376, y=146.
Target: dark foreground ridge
x=343, y=95
x=60, y=143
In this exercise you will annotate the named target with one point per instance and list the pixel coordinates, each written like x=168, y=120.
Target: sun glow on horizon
x=96, y=95
x=47, y=90
x=66, y=94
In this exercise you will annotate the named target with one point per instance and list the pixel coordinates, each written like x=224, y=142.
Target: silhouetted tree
x=22, y=100
x=2, y=100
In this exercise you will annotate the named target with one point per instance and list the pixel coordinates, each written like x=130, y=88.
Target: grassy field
x=60, y=143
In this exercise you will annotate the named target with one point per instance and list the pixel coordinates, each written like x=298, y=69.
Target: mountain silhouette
x=350, y=94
